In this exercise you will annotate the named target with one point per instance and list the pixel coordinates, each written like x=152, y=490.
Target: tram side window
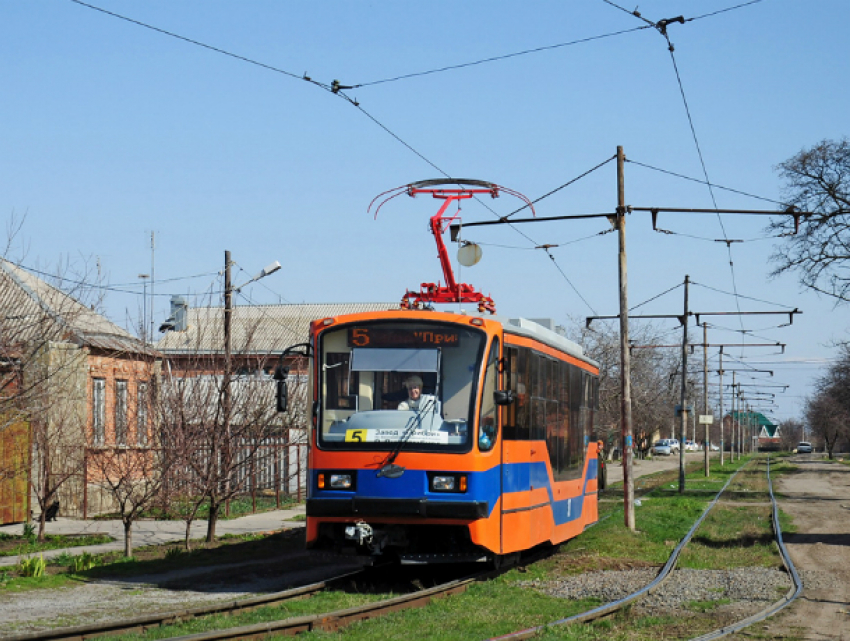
x=523, y=415
x=553, y=431
x=340, y=381
x=488, y=428
x=576, y=446
x=539, y=378
x=564, y=425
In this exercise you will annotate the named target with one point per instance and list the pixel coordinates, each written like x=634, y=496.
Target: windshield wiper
x=388, y=468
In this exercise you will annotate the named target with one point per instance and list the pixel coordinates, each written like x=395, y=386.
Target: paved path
x=149, y=532
x=646, y=467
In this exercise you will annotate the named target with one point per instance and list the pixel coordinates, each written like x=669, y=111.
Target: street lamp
x=228, y=314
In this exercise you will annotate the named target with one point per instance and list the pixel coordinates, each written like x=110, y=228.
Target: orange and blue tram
x=495, y=456
x=498, y=459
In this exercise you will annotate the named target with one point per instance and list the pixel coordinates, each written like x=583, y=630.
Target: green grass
x=510, y=603
x=68, y=568
x=14, y=545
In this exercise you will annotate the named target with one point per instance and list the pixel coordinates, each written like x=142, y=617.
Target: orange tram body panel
x=440, y=437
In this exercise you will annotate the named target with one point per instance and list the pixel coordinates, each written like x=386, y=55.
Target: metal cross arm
x=791, y=211
x=790, y=314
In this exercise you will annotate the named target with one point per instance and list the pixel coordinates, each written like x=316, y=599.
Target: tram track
x=332, y=621
x=666, y=573
x=142, y=623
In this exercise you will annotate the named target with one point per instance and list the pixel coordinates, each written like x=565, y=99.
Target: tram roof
x=546, y=331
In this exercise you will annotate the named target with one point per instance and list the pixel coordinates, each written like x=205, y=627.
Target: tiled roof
x=255, y=329
x=31, y=309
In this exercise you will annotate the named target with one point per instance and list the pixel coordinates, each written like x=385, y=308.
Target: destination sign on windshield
x=380, y=337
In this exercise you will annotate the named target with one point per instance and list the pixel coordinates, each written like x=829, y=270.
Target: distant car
x=662, y=447
x=804, y=447
x=713, y=447
x=690, y=446
x=674, y=445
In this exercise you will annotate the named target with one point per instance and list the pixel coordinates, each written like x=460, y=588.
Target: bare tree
x=223, y=433
x=132, y=476
x=653, y=383
x=828, y=411
x=43, y=382
x=790, y=433
x=817, y=180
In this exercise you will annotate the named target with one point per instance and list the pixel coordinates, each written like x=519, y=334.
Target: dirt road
x=818, y=499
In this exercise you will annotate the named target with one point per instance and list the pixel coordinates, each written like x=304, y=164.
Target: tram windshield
x=385, y=383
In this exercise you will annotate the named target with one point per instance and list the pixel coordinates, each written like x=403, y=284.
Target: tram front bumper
x=424, y=508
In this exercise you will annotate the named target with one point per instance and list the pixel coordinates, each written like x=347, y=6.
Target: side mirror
x=282, y=393
x=503, y=397
x=282, y=396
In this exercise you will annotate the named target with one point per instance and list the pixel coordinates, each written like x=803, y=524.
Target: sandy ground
x=818, y=500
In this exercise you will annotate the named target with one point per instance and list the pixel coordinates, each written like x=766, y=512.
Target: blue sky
x=112, y=131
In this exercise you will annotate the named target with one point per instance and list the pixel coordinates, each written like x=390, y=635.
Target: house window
x=99, y=410
x=142, y=414
x=121, y=412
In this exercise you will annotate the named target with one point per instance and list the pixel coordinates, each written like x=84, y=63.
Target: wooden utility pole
x=625, y=354
x=732, y=423
x=720, y=372
x=228, y=366
x=706, y=448
x=683, y=417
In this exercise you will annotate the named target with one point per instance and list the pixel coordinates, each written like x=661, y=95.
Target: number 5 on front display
x=355, y=436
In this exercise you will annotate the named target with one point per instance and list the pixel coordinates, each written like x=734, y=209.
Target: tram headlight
x=340, y=481
x=335, y=481
x=448, y=483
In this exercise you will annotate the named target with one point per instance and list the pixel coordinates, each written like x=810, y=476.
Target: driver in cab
x=416, y=400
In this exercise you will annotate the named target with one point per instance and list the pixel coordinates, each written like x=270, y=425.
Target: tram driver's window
x=488, y=427
x=340, y=382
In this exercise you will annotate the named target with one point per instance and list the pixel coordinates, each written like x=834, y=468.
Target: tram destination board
x=386, y=337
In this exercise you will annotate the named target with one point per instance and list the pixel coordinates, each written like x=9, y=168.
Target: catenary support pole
x=705, y=396
x=625, y=354
x=683, y=416
x=720, y=372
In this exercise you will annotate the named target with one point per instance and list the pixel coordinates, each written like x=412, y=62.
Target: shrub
x=83, y=562
x=32, y=566
x=173, y=553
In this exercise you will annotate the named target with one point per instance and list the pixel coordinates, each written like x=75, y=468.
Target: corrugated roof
x=256, y=329
x=32, y=310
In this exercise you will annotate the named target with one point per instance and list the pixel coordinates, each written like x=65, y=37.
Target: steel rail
x=333, y=621
x=147, y=621
x=790, y=596
x=614, y=606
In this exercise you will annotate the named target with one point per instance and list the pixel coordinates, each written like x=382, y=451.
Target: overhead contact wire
x=497, y=58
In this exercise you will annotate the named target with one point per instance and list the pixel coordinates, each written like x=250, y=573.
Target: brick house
x=81, y=382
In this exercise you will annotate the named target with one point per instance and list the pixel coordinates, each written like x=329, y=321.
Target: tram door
x=516, y=453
